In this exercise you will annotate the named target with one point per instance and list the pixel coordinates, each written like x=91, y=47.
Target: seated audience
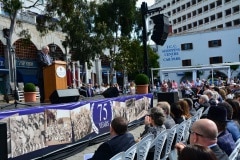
x=154, y=124
x=121, y=140
x=185, y=108
x=177, y=113
x=169, y=122
x=190, y=106
x=196, y=152
x=236, y=111
x=204, y=132
x=232, y=127
x=218, y=114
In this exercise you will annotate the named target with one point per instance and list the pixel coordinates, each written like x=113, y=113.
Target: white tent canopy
x=194, y=69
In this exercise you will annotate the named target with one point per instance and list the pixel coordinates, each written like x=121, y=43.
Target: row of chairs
x=163, y=143
x=235, y=155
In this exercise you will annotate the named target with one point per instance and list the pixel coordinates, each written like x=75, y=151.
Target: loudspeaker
x=111, y=92
x=64, y=96
x=160, y=29
x=3, y=141
x=170, y=97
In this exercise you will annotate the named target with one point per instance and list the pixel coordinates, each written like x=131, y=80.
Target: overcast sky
x=149, y=2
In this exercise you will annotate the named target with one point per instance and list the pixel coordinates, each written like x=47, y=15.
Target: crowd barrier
x=44, y=131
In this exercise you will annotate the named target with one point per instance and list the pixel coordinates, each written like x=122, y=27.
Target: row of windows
x=199, y=11
x=203, y=21
x=211, y=43
x=212, y=60
x=219, y=15
x=191, y=3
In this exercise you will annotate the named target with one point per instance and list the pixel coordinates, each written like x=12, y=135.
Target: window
x=175, y=31
x=238, y=40
x=212, y=5
x=179, y=19
x=220, y=26
x=174, y=11
x=206, y=20
x=200, y=22
x=179, y=29
x=205, y=8
x=186, y=62
x=212, y=17
x=199, y=10
x=184, y=17
x=174, y=21
x=219, y=15
x=194, y=2
x=228, y=24
x=235, y=9
x=226, y=1
x=169, y=13
x=178, y=9
x=189, y=15
x=194, y=24
x=214, y=43
x=189, y=26
x=186, y=46
x=219, y=2
x=184, y=28
x=168, y=4
x=194, y=13
x=236, y=22
x=228, y=12
x=188, y=4
x=214, y=60
x=183, y=7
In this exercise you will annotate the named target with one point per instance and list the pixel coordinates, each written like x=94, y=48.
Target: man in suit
x=90, y=92
x=204, y=132
x=120, y=140
x=43, y=60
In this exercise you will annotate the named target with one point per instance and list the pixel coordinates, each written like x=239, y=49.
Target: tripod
x=15, y=96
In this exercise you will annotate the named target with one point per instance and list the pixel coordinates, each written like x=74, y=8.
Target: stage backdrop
x=31, y=129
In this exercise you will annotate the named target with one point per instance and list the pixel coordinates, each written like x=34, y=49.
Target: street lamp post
x=52, y=48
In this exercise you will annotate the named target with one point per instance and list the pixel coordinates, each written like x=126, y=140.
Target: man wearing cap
x=204, y=132
x=218, y=114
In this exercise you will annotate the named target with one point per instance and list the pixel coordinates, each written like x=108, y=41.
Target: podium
x=55, y=78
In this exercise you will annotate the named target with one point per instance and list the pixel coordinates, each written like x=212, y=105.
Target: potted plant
x=29, y=92
x=142, y=82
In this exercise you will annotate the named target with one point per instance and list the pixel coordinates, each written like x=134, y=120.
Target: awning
x=4, y=71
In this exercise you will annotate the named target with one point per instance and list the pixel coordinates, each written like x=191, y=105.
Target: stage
x=55, y=131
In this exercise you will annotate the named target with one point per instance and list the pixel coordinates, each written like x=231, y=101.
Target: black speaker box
x=3, y=141
x=111, y=92
x=170, y=97
x=64, y=96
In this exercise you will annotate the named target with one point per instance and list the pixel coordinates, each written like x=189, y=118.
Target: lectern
x=55, y=78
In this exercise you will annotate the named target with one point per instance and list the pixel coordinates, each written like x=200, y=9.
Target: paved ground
x=136, y=132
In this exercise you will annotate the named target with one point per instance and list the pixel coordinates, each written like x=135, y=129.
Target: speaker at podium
x=64, y=96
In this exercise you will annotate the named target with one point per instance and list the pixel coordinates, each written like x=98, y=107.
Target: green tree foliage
x=130, y=57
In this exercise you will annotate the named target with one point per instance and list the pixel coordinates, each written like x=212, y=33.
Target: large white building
x=204, y=32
